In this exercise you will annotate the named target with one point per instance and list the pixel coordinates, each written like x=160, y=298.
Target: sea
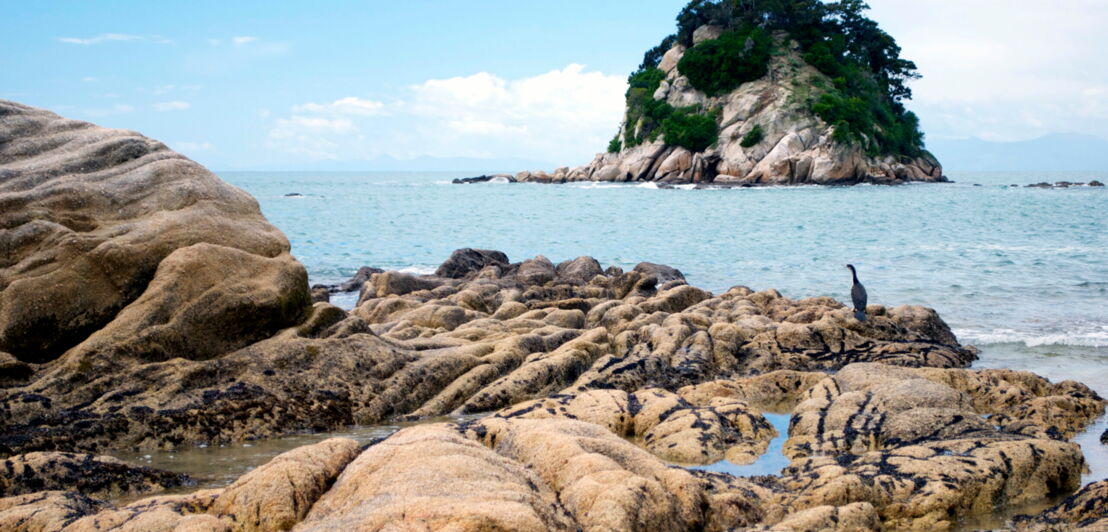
x=1021, y=273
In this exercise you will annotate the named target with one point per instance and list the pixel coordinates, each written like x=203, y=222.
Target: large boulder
x=87, y=214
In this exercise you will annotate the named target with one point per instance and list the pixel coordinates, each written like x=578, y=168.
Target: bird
x=858, y=295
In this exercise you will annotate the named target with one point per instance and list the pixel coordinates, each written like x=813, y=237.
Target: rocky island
x=765, y=93
x=146, y=304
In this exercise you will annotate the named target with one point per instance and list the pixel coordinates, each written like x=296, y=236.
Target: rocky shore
x=145, y=304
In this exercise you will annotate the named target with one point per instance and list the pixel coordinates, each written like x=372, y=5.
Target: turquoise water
x=1022, y=273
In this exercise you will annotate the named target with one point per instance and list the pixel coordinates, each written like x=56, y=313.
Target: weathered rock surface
x=88, y=214
x=101, y=476
x=279, y=494
x=484, y=335
x=45, y=511
x=603, y=482
x=924, y=446
x=432, y=478
x=669, y=427
x=796, y=148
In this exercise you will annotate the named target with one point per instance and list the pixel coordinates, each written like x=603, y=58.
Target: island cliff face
x=759, y=93
x=147, y=304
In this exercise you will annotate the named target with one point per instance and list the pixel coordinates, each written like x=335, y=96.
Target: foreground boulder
x=87, y=215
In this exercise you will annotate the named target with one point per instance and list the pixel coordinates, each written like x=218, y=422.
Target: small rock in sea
x=484, y=179
x=294, y=195
x=1095, y=183
x=1104, y=437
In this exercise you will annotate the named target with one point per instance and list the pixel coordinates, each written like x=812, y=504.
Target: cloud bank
x=565, y=115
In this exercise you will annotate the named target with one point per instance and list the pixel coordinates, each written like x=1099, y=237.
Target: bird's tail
x=859, y=315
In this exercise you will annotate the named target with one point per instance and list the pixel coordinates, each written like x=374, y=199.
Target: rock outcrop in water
x=766, y=93
x=797, y=148
x=594, y=385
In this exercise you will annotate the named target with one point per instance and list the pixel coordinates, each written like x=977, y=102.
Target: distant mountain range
x=1054, y=152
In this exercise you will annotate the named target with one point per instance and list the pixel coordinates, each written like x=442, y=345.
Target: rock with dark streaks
x=99, y=476
x=1085, y=511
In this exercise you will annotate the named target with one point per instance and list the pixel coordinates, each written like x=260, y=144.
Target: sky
x=299, y=85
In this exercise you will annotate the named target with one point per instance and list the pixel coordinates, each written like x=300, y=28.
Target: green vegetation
x=642, y=108
x=718, y=66
x=687, y=128
x=753, y=137
x=615, y=145
x=865, y=100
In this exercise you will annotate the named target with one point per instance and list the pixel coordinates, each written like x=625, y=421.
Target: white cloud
x=116, y=109
x=244, y=39
x=171, y=106
x=186, y=146
x=565, y=115
x=113, y=37
x=350, y=105
x=88, y=79
x=1023, y=67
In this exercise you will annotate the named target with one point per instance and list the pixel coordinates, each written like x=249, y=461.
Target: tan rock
x=603, y=481
x=44, y=511
x=430, y=477
x=279, y=494
x=88, y=215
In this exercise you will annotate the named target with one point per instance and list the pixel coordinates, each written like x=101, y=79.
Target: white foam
x=1096, y=337
x=418, y=270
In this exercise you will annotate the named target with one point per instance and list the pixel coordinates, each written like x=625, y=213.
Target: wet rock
x=1095, y=183
x=483, y=179
x=1086, y=510
x=100, y=476
x=430, y=477
x=463, y=262
x=1104, y=437
x=355, y=283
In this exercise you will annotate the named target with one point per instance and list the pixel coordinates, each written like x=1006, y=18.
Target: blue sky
x=299, y=85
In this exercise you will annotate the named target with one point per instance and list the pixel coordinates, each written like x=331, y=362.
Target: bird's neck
x=854, y=274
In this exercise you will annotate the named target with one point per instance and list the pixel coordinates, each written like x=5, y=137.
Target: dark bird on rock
x=858, y=295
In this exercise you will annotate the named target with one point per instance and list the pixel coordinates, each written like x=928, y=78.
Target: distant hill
x=1054, y=152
